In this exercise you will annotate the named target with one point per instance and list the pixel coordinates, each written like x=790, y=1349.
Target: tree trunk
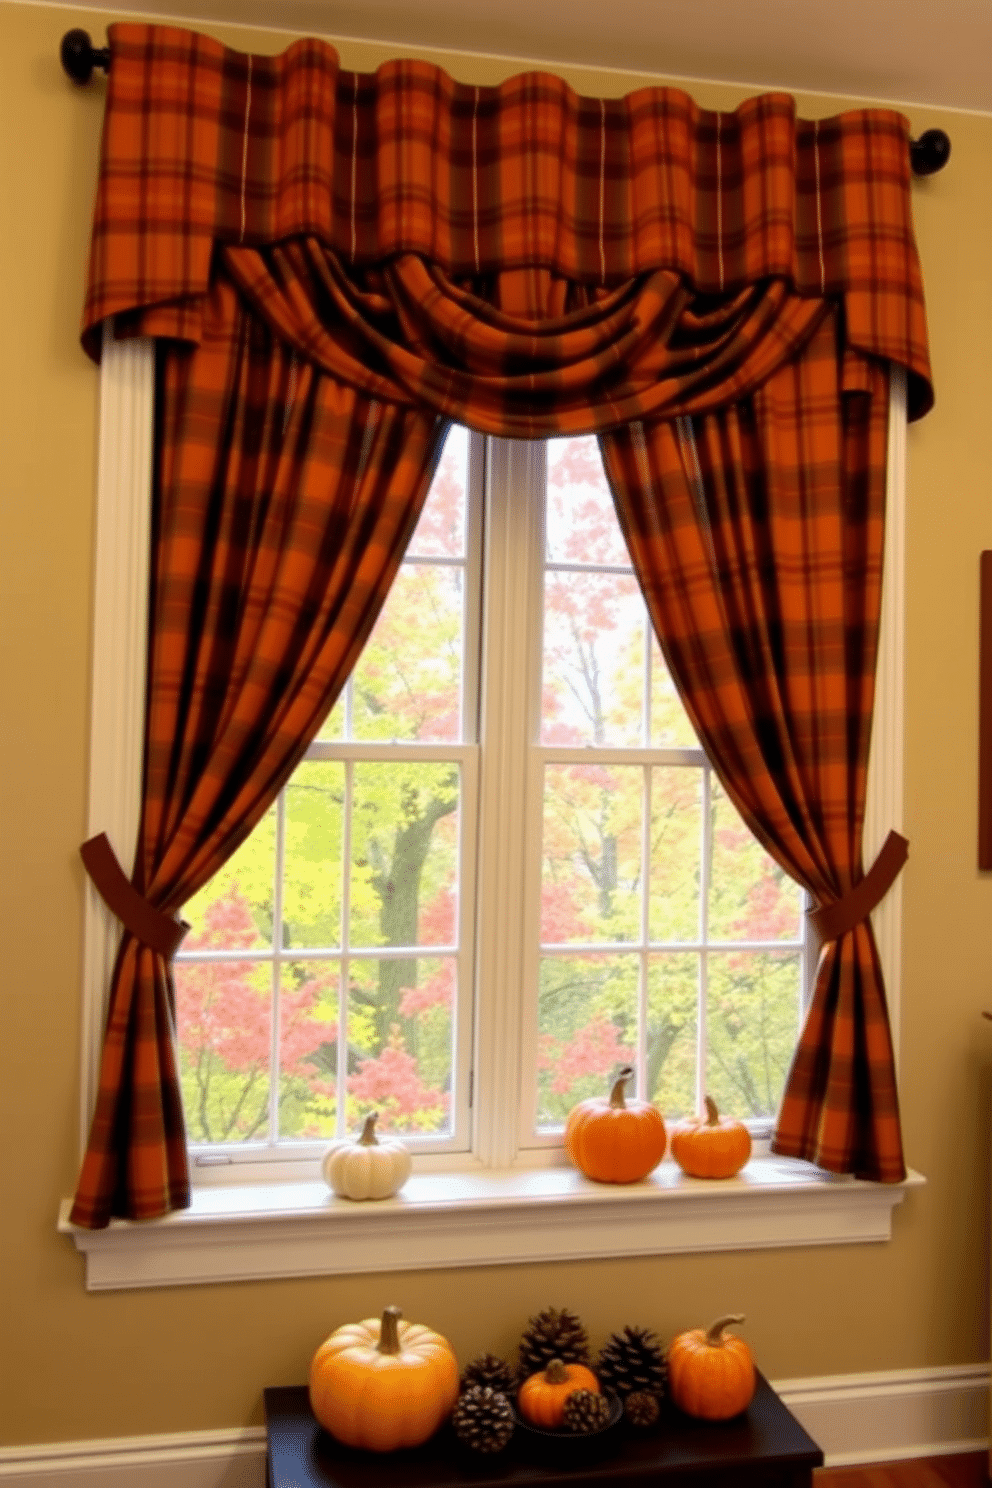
x=398, y=887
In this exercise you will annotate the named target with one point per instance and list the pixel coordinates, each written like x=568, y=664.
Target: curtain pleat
x=407, y=334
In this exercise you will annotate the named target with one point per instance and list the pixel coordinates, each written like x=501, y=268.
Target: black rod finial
x=929, y=153
x=80, y=56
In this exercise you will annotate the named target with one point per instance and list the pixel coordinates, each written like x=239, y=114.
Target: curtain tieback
x=147, y=924
x=833, y=920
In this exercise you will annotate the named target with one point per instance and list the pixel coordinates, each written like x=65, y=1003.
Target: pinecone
x=632, y=1361
x=489, y=1370
x=552, y=1335
x=585, y=1411
x=483, y=1419
x=641, y=1409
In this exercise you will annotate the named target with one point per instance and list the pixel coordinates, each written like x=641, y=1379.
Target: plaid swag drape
x=335, y=266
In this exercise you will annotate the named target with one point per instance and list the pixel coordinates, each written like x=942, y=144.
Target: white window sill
x=483, y=1218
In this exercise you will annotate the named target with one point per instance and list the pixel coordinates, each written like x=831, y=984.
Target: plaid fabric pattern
x=285, y=504
x=339, y=264
x=756, y=533
x=408, y=334
x=206, y=145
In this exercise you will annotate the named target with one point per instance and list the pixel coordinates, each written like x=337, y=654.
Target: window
x=486, y=1173
x=330, y=966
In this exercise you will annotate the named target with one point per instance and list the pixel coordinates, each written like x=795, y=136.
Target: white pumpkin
x=365, y=1167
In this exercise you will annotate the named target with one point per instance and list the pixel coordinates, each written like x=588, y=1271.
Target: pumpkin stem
x=714, y=1333
x=368, y=1137
x=389, y=1338
x=556, y=1373
x=617, y=1102
x=712, y=1114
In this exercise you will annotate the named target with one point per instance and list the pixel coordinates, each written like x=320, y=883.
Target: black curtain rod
x=928, y=154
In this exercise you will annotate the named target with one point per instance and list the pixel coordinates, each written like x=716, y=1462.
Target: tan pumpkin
x=711, y=1373
x=615, y=1140
x=383, y=1383
x=710, y=1146
x=542, y=1396
x=367, y=1167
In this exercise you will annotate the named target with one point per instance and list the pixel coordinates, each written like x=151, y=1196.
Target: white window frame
x=500, y=1204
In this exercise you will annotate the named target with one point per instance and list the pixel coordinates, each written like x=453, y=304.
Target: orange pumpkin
x=711, y=1146
x=615, y=1140
x=711, y=1374
x=542, y=1396
x=383, y=1384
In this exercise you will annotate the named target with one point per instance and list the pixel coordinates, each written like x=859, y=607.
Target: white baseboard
x=894, y=1413
x=183, y=1459
x=854, y=1418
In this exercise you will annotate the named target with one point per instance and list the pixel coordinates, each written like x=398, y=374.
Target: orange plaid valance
x=205, y=145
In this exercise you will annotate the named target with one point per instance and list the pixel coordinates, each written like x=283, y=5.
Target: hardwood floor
x=968, y=1470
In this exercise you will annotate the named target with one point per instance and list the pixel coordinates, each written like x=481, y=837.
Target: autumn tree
x=224, y=1012
x=595, y=640
x=400, y=871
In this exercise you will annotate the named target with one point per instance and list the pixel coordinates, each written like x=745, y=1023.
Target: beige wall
x=78, y=1365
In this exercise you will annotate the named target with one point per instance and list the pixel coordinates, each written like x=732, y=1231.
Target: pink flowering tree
x=224, y=1014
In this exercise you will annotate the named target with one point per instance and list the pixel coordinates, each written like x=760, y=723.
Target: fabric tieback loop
x=833, y=920
x=147, y=924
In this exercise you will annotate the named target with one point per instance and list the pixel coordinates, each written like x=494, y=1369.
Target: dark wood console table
x=764, y=1448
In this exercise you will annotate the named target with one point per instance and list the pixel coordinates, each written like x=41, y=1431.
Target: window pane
x=673, y=1000
x=332, y=729
x=400, y=1051
x=752, y=1028
x=224, y=1022
x=407, y=684
x=587, y=1026
x=751, y=898
x=234, y=910
x=408, y=681
x=670, y=726
x=593, y=683
x=441, y=529
x=581, y=520
x=308, y=1051
x=591, y=853
x=676, y=844
x=404, y=877
x=311, y=905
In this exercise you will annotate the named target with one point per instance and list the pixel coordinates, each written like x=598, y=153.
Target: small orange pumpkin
x=615, y=1140
x=711, y=1146
x=542, y=1396
x=383, y=1383
x=711, y=1374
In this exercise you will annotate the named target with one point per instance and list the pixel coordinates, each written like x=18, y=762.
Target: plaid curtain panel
x=757, y=534
x=285, y=502
x=336, y=266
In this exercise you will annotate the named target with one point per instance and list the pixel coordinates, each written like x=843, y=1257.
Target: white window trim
x=498, y=1207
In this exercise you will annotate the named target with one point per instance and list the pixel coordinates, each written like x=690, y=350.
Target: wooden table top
x=766, y=1444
